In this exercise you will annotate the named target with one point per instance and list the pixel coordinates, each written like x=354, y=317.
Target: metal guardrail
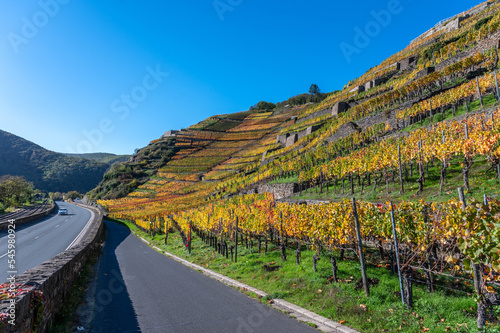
x=24, y=212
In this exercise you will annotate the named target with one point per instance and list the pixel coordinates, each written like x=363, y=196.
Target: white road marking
x=4, y=255
x=83, y=230
x=57, y=225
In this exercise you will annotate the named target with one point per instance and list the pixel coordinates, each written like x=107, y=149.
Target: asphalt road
x=140, y=290
x=41, y=240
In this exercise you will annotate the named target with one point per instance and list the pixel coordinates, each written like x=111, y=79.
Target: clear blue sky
x=70, y=67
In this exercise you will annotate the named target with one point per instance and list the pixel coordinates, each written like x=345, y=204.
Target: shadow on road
x=113, y=310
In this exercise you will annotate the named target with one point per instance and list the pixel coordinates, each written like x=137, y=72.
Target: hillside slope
x=47, y=170
x=232, y=154
x=124, y=178
x=103, y=157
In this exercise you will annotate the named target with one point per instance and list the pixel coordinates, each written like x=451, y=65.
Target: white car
x=63, y=211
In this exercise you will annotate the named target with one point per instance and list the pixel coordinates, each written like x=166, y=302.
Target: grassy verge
x=441, y=311
x=66, y=320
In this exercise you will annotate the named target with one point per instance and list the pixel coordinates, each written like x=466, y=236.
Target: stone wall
x=408, y=63
x=281, y=139
x=358, y=89
x=426, y=71
x=53, y=278
x=339, y=108
x=292, y=139
x=280, y=191
x=344, y=130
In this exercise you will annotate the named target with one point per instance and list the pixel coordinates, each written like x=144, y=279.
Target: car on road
x=63, y=211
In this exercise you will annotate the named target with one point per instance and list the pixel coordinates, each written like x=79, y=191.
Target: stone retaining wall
x=54, y=278
x=280, y=191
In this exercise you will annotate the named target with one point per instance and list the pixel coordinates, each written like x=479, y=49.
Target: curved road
x=43, y=239
x=141, y=290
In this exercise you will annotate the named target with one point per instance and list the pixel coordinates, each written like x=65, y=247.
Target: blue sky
x=110, y=76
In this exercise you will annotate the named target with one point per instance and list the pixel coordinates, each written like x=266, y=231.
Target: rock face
x=339, y=108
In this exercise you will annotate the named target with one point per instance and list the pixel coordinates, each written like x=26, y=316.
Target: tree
x=262, y=105
x=72, y=195
x=314, y=89
x=315, y=92
x=14, y=191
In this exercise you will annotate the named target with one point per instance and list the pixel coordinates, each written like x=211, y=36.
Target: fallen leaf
x=320, y=291
x=270, y=301
x=363, y=306
x=341, y=322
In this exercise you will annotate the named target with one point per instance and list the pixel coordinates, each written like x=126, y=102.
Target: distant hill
x=103, y=157
x=125, y=177
x=47, y=170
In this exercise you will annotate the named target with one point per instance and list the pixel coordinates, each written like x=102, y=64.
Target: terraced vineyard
x=425, y=120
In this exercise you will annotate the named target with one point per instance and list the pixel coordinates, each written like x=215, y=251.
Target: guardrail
x=41, y=290
x=26, y=216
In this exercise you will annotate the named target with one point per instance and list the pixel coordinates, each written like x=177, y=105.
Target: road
x=141, y=290
x=43, y=239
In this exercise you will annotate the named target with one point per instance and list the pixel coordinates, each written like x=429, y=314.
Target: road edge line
x=80, y=237
x=294, y=311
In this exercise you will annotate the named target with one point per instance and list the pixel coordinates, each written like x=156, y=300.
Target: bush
x=479, y=24
x=262, y=105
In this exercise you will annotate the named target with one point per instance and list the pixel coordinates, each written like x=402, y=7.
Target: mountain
x=103, y=157
x=47, y=170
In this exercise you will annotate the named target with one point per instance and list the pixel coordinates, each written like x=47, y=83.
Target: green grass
x=441, y=311
x=481, y=182
x=488, y=101
x=287, y=180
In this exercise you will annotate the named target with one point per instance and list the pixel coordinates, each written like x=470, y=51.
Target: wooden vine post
x=479, y=92
x=421, y=178
x=189, y=236
x=236, y=243
x=396, y=250
x=360, y=249
x=402, y=190
x=443, y=166
x=496, y=87
x=282, y=245
x=428, y=264
x=477, y=272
